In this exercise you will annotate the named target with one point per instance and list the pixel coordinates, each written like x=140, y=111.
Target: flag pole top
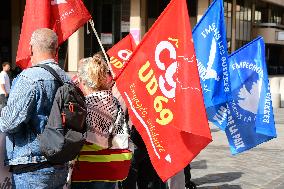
x=101, y=45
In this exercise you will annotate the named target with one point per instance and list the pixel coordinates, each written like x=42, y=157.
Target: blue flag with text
x=210, y=44
x=250, y=113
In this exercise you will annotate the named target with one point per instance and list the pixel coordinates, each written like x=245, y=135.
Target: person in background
x=4, y=84
x=104, y=159
x=15, y=72
x=26, y=115
x=187, y=174
x=142, y=173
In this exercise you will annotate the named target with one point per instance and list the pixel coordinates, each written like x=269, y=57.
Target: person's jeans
x=93, y=185
x=3, y=101
x=46, y=178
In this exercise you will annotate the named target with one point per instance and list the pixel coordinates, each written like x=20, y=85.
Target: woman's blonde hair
x=93, y=71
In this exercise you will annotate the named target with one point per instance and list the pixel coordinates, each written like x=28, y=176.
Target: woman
x=105, y=158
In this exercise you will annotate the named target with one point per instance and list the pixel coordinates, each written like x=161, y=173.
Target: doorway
x=111, y=18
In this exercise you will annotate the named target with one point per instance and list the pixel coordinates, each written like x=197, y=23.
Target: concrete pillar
x=276, y=100
x=135, y=19
x=15, y=28
x=234, y=16
x=275, y=91
x=282, y=92
x=202, y=6
x=75, y=49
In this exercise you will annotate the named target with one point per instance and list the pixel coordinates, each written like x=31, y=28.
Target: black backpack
x=64, y=134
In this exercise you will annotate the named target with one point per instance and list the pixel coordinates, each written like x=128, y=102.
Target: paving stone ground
x=259, y=168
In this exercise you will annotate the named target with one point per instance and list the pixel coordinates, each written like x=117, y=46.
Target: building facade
x=245, y=20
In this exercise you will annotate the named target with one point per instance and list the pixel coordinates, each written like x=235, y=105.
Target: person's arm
x=2, y=86
x=20, y=105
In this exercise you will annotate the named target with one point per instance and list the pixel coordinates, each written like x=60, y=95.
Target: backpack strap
x=52, y=71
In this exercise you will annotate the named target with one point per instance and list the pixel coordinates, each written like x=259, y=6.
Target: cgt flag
x=210, y=44
x=120, y=54
x=250, y=114
x=161, y=87
x=63, y=16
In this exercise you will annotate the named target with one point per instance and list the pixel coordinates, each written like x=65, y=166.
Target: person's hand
x=6, y=94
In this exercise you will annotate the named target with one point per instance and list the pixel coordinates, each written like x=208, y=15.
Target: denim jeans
x=3, y=101
x=93, y=185
x=46, y=178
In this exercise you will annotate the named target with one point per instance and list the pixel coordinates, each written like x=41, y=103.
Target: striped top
x=105, y=156
x=96, y=164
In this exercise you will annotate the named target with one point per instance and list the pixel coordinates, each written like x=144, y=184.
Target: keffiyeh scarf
x=106, y=122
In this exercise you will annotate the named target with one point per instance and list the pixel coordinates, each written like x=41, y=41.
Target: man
x=26, y=114
x=4, y=85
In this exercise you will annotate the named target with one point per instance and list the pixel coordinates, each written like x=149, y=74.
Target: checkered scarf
x=106, y=122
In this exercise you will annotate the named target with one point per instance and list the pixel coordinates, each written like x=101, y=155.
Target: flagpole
x=101, y=45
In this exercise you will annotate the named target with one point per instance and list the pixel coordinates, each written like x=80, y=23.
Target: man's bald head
x=44, y=40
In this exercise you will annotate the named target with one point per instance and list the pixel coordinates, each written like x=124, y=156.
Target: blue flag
x=210, y=45
x=250, y=113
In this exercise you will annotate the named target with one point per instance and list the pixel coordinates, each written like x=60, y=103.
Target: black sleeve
x=136, y=138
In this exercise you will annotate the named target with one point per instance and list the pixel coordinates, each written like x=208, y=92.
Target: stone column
x=275, y=91
x=282, y=92
x=135, y=19
x=202, y=6
x=75, y=49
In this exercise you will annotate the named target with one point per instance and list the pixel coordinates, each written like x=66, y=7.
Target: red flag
x=64, y=17
x=161, y=87
x=67, y=17
x=120, y=54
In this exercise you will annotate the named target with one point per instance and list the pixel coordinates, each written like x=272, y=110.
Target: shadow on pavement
x=199, y=164
x=225, y=186
x=218, y=177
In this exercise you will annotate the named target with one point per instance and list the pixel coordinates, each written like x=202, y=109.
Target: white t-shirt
x=4, y=80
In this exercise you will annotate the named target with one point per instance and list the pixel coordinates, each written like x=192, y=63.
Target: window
x=243, y=22
x=257, y=16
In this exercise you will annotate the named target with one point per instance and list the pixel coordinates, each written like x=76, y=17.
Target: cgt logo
x=57, y=2
x=169, y=71
x=124, y=55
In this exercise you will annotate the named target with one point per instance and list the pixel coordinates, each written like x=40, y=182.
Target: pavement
x=259, y=168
